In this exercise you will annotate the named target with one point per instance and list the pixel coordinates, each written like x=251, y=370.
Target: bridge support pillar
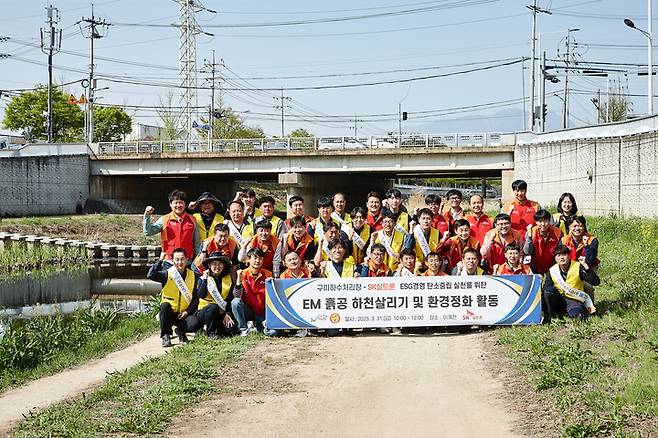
x=506, y=185
x=312, y=186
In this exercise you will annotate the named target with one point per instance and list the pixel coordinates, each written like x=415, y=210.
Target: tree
x=228, y=124
x=301, y=133
x=617, y=107
x=27, y=112
x=111, y=124
x=170, y=118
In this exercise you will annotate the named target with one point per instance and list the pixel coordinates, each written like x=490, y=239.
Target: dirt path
x=383, y=386
x=71, y=383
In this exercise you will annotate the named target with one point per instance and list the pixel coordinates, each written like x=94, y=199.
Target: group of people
x=215, y=260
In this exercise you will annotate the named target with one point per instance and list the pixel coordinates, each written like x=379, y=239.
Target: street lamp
x=628, y=22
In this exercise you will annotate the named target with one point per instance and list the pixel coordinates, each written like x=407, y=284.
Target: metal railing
x=298, y=144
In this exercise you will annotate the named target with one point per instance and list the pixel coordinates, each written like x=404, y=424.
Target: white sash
x=421, y=240
x=331, y=270
x=356, y=238
x=180, y=284
x=325, y=247
x=404, y=272
x=258, y=219
x=319, y=231
x=337, y=218
x=400, y=228
x=577, y=294
x=384, y=240
x=212, y=288
x=236, y=233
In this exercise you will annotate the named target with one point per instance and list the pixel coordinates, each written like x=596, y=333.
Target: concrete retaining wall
x=614, y=174
x=43, y=185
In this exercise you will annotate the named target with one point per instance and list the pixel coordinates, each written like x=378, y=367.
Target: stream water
x=123, y=287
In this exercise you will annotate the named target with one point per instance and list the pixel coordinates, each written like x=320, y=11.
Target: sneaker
x=166, y=341
x=384, y=330
x=396, y=331
x=301, y=333
x=244, y=333
x=181, y=335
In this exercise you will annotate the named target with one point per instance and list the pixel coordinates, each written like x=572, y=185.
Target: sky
x=453, y=65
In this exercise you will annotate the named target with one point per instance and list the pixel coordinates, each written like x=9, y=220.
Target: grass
x=601, y=375
x=141, y=400
x=45, y=345
x=16, y=259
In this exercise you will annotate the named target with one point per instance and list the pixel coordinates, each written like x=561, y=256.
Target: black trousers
x=168, y=319
x=213, y=318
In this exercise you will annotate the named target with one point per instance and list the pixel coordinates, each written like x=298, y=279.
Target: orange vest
x=505, y=269
x=177, y=234
x=479, y=225
x=289, y=274
x=268, y=248
x=452, y=249
x=542, y=256
x=521, y=214
x=300, y=247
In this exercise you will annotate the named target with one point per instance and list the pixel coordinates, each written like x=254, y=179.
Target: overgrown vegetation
x=602, y=374
x=43, y=345
x=141, y=400
x=16, y=259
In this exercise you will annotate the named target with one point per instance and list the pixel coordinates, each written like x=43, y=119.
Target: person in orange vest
x=299, y=241
x=270, y=246
x=495, y=241
x=455, y=210
x=469, y=264
x=374, y=205
x=521, y=210
x=512, y=265
x=434, y=263
x=540, y=241
x=294, y=266
x=221, y=243
x=566, y=211
x=375, y=266
x=563, y=291
x=249, y=294
x=177, y=229
x=480, y=222
x=179, y=299
x=453, y=247
x=296, y=204
x=581, y=243
x=208, y=215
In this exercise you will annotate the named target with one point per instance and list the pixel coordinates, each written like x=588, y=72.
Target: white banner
x=403, y=301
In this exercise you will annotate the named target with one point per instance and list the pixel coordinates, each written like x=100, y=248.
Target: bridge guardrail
x=299, y=144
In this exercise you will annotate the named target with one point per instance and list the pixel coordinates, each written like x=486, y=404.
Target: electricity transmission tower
x=189, y=28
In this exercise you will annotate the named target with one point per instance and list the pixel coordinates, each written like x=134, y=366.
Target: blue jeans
x=243, y=313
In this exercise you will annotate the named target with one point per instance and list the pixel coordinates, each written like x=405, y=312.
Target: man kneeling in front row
x=179, y=296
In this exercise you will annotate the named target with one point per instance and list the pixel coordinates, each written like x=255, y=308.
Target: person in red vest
x=512, y=265
x=582, y=244
x=455, y=210
x=521, y=210
x=268, y=243
x=453, y=247
x=495, y=241
x=540, y=242
x=374, y=205
x=220, y=242
x=177, y=229
x=375, y=266
x=433, y=202
x=479, y=220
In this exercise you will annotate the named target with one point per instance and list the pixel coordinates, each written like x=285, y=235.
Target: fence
x=611, y=175
x=299, y=144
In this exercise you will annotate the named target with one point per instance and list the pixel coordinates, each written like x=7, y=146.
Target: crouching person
x=179, y=296
x=249, y=294
x=563, y=290
x=215, y=295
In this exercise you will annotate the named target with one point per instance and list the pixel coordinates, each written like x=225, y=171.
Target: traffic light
x=544, y=111
x=404, y=115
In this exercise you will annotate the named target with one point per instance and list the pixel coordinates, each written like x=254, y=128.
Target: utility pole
x=542, y=92
x=92, y=24
x=282, y=108
x=565, y=101
x=535, y=9
x=212, y=68
x=355, y=127
x=400, y=119
x=51, y=43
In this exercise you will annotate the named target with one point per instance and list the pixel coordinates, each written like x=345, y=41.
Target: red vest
x=542, y=256
x=177, y=234
x=451, y=221
x=440, y=223
x=578, y=250
x=521, y=214
x=253, y=294
x=505, y=269
x=452, y=249
x=289, y=274
x=375, y=223
x=479, y=226
x=497, y=252
x=268, y=248
x=301, y=247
